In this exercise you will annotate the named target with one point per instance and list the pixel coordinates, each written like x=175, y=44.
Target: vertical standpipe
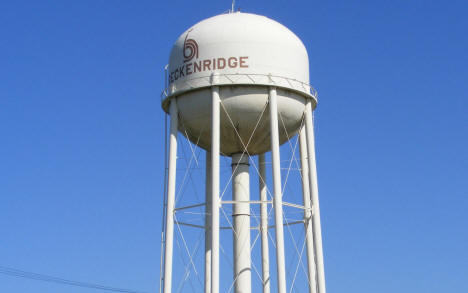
x=317, y=230
x=170, y=198
x=241, y=220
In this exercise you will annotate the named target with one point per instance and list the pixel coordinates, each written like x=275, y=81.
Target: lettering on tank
x=191, y=66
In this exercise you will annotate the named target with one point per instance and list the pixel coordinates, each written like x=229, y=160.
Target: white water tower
x=238, y=86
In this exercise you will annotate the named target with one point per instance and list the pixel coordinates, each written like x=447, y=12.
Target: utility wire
x=46, y=278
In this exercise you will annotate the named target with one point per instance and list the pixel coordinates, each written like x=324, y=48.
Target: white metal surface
x=241, y=221
x=241, y=107
x=240, y=79
x=170, y=199
x=237, y=43
x=264, y=224
x=277, y=200
x=244, y=71
x=215, y=143
x=317, y=230
x=208, y=207
x=307, y=212
x=248, y=53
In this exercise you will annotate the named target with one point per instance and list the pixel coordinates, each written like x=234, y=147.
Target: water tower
x=238, y=87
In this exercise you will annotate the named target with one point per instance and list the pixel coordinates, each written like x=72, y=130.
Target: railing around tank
x=233, y=79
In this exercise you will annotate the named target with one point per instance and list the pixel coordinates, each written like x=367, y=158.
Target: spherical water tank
x=244, y=54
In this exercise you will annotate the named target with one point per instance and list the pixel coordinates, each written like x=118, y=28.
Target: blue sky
x=81, y=138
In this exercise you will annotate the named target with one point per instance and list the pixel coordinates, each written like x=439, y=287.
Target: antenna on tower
x=232, y=6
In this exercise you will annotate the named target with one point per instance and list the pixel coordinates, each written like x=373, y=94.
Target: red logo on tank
x=190, y=49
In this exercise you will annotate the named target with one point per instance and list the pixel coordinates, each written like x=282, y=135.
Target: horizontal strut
x=189, y=207
x=245, y=201
x=230, y=228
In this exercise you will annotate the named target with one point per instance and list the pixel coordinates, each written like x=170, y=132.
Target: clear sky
x=81, y=138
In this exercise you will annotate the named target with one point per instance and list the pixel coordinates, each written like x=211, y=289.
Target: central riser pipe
x=241, y=221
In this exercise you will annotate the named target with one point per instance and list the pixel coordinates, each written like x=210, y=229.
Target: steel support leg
x=277, y=200
x=307, y=212
x=170, y=198
x=317, y=230
x=215, y=150
x=264, y=225
x=208, y=199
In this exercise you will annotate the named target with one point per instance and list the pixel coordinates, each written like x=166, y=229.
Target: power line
x=46, y=278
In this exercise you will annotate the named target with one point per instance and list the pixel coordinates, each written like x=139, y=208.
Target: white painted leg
x=170, y=198
x=277, y=200
x=307, y=213
x=215, y=149
x=317, y=230
x=264, y=225
x=208, y=198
